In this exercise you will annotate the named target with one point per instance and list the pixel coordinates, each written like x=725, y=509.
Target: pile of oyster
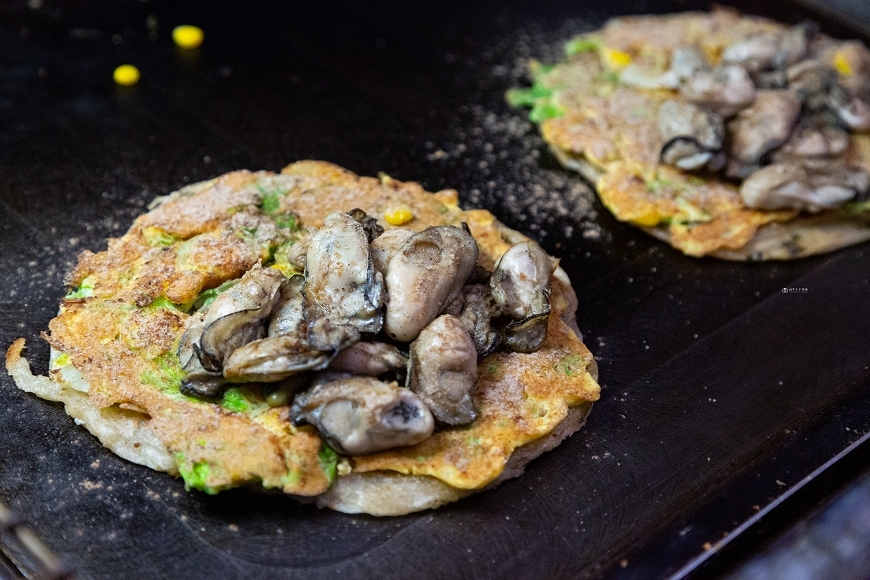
x=776, y=113
x=372, y=309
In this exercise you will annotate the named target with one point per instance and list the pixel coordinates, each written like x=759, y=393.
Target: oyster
x=692, y=135
x=343, y=292
x=755, y=53
x=361, y=415
x=197, y=381
x=370, y=359
x=761, y=128
x=236, y=317
x=815, y=143
x=521, y=289
x=273, y=359
x=369, y=224
x=476, y=314
x=388, y=245
x=288, y=316
x=852, y=110
x=443, y=370
x=724, y=90
x=425, y=277
x=790, y=186
x=685, y=61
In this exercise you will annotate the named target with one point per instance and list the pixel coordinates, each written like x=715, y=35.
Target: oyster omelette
x=271, y=329
x=722, y=134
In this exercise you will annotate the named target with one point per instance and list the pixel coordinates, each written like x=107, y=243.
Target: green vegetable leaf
x=690, y=213
x=270, y=201
x=609, y=77
x=84, y=290
x=656, y=185
x=166, y=374
x=195, y=475
x=527, y=97
x=157, y=237
x=544, y=110
x=206, y=297
x=857, y=208
x=234, y=400
x=288, y=221
x=328, y=461
x=163, y=302
x=578, y=45
x=569, y=365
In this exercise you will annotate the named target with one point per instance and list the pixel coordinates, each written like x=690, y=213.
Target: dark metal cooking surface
x=721, y=393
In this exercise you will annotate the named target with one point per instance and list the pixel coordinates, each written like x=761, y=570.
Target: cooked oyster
x=790, y=186
x=476, y=314
x=361, y=415
x=853, y=110
x=762, y=128
x=794, y=44
x=273, y=359
x=443, y=370
x=369, y=224
x=344, y=294
x=724, y=90
x=288, y=316
x=197, y=382
x=370, y=359
x=685, y=61
x=692, y=135
x=236, y=316
x=808, y=78
x=754, y=54
x=388, y=245
x=521, y=288
x=815, y=143
x=425, y=277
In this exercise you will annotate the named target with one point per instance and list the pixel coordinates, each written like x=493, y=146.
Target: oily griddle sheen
x=121, y=341
x=609, y=133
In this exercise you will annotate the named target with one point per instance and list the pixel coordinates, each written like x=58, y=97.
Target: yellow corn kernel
x=398, y=215
x=615, y=59
x=187, y=36
x=647, y=219
x=126, y=75
x=841, y=63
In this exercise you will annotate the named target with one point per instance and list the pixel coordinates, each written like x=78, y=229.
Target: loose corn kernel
x=187, y=36
x=126, y=75
x=841, y=63
x=615, y=59
x=398, y=215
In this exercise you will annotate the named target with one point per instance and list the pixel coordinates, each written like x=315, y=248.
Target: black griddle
x=729, y=407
